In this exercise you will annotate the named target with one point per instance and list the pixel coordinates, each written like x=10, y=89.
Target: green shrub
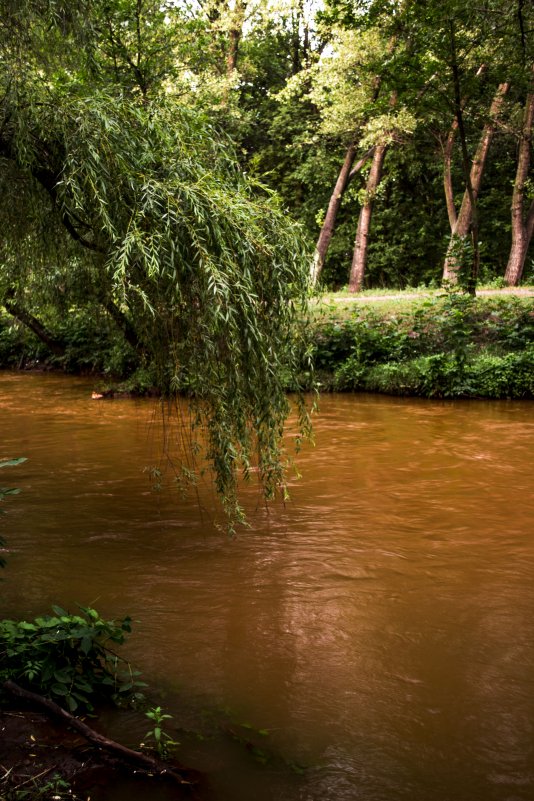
x=367, y=339
x=17, y=344
x=91, y=342
x=438, y=375
x=68, y=658
x=508, y=376
x=443, y=376
x=449, y=346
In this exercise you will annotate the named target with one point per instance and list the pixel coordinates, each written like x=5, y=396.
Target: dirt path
x=520, y=292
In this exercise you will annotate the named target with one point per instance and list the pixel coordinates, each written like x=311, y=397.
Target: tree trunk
x=447, y=161
x=359, y=260
x=234, y=36
x=233, y=49
x=521, y=228
x=359, y=256
x=447, y=177
x=327, y=229
x=16, y=310
x=464, y=221
x=346, y=174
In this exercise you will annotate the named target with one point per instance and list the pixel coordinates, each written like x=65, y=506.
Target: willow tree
x=198, y=265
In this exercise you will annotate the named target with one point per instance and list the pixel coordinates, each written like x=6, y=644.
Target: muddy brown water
x=379, y=626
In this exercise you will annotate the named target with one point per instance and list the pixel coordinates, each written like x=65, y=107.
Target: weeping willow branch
x=210, y=272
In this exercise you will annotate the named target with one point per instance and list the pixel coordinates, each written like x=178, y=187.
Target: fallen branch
x=148, y=763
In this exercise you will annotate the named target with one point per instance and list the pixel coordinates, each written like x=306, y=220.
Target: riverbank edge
x=445, y=345
x=42, y=759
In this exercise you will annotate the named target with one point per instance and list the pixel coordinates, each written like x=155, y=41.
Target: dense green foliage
x=131, y=209
x=444, y=347
x=68, y=658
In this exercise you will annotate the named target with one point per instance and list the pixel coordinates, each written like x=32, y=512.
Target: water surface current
x=378, y=627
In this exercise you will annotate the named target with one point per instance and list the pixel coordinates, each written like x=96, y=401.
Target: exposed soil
x=35, y=750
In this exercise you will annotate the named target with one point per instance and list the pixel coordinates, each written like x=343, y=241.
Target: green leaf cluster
x=68, y=658
x=157, y=738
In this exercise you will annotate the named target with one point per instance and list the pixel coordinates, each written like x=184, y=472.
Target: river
x=378, y=627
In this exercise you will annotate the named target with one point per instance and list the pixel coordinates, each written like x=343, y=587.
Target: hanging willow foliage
x=201, y=260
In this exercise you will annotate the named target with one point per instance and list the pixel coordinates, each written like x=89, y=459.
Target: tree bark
x=461, y=226
x=346, y=174
x=447, y=177
x=359, y=256
x=521, y=228
x=233, y=49
x=27, y=319
x=234, y=36
x=447, y=162
x=359, y=259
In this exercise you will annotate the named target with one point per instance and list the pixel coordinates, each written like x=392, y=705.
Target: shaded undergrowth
x=448, y=346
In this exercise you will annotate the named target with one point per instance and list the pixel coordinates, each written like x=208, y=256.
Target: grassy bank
x=437, y=345
x=425, y=343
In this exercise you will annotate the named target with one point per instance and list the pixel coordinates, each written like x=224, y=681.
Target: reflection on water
x=380, y=625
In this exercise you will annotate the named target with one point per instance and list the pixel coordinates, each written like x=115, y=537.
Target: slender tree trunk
x=346, y=174
x=447, y=176
x=327, y=228
x=359, y=259
x=464, y=221
x=447, y=162
x=521, y=228
x=359, y=256
x=234, y=36
x=233, y=49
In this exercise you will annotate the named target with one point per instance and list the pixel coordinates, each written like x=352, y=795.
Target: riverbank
x=442, y=345
x=41, y=760
x=415, y=343
x=44, y=760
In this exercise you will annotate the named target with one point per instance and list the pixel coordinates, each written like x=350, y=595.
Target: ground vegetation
x=446, y=346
